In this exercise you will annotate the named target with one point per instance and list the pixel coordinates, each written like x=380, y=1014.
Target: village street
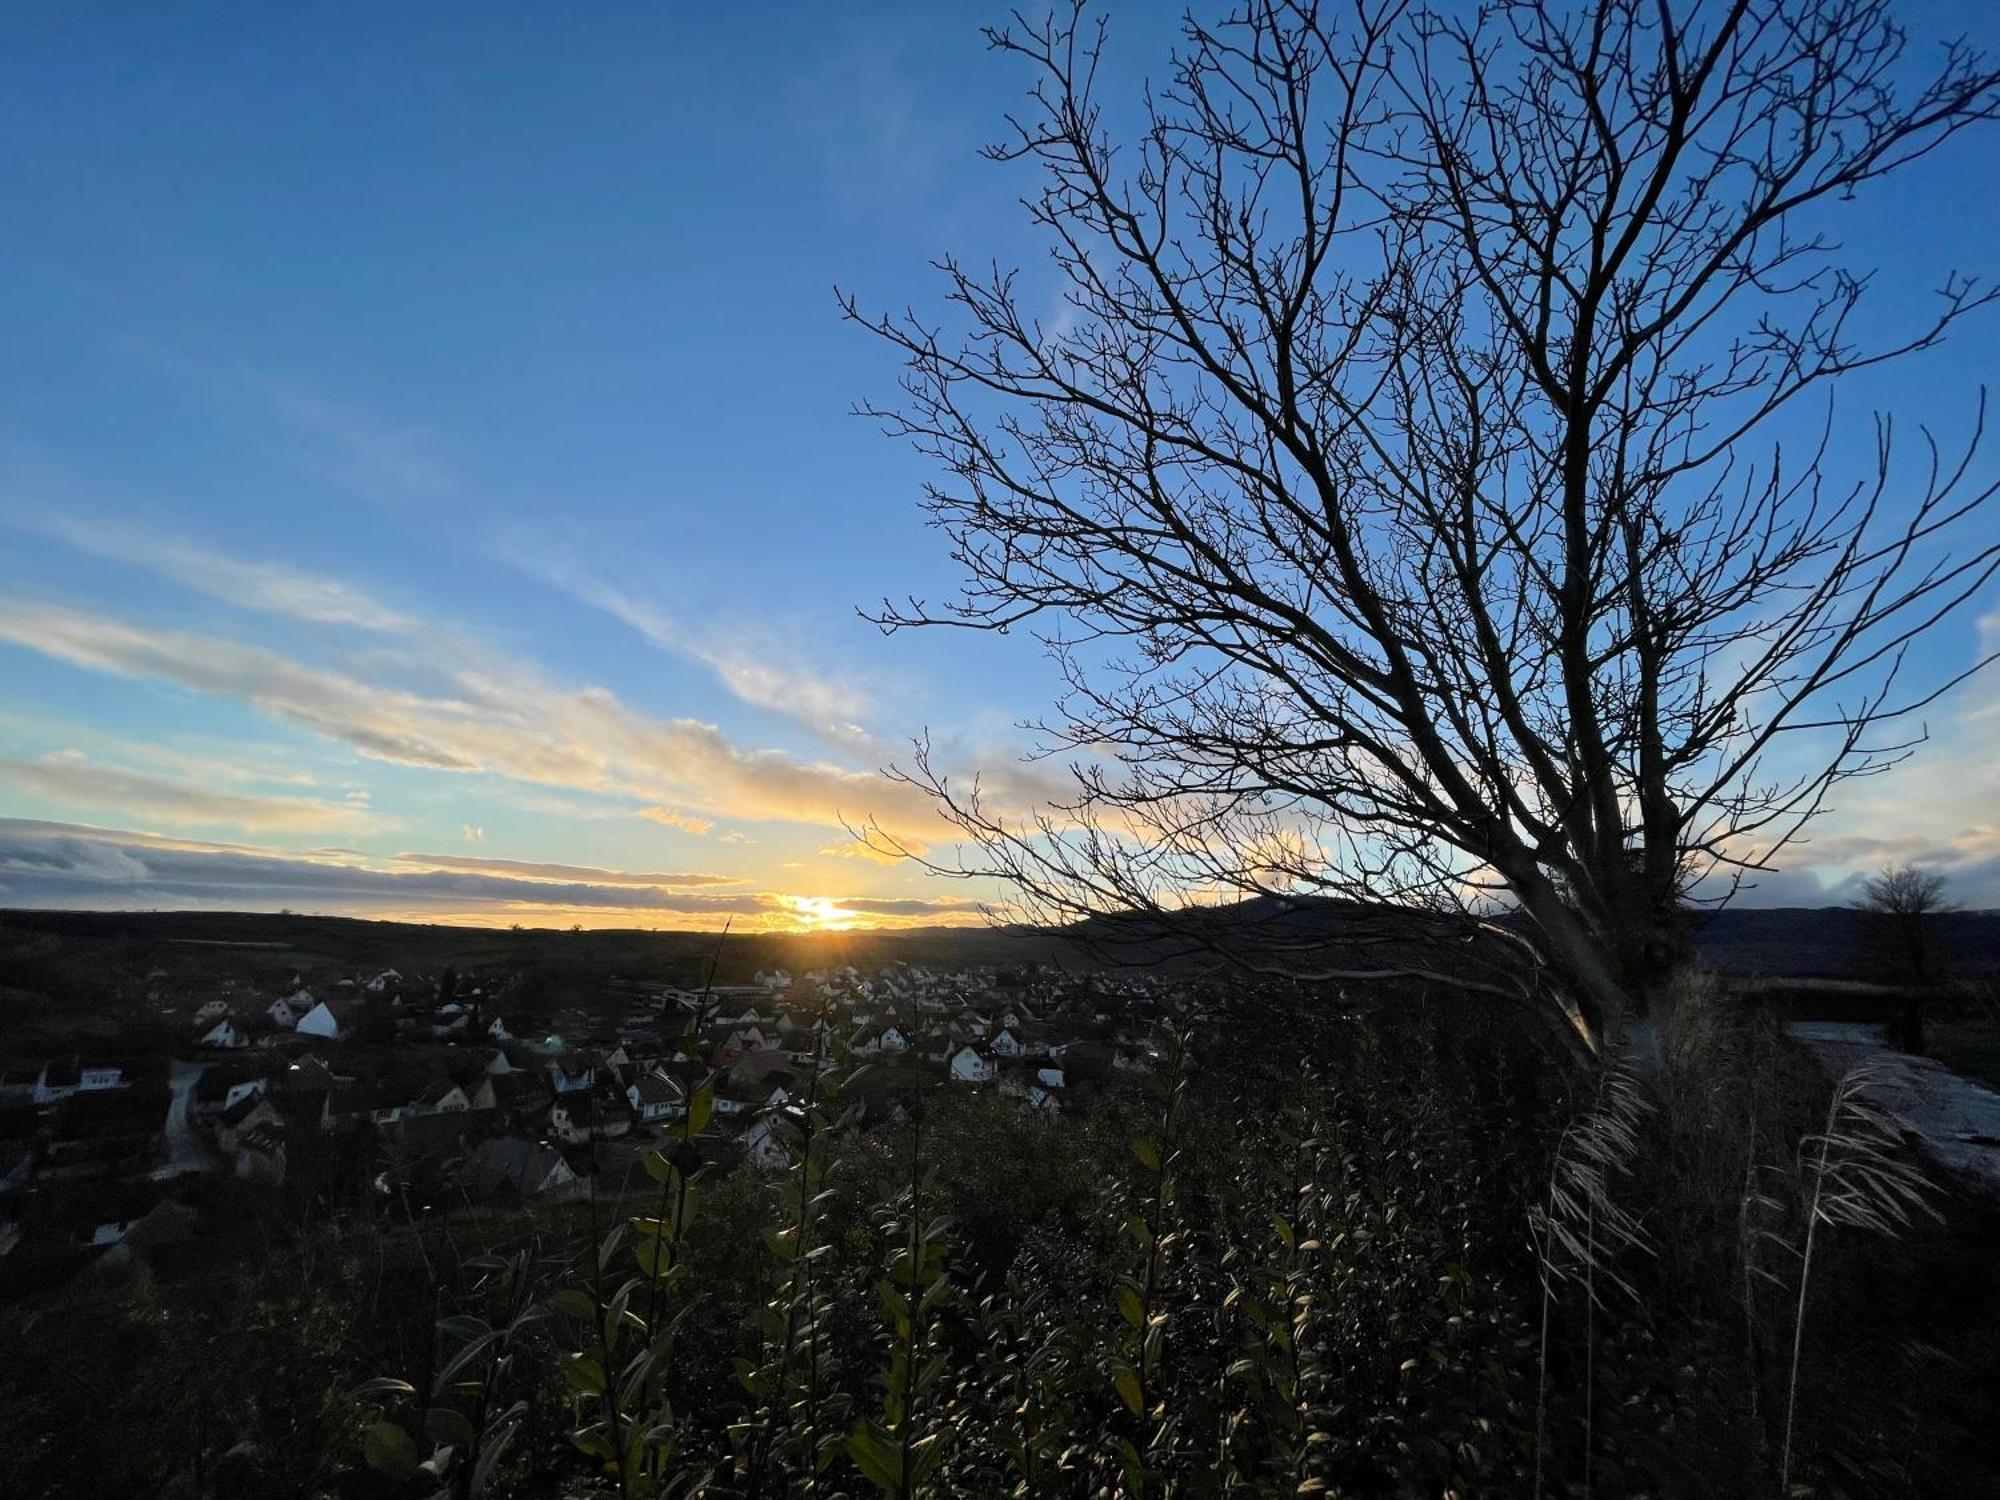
x=185, y=1151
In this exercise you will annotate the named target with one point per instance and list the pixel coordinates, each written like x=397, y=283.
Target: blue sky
x=426, y=478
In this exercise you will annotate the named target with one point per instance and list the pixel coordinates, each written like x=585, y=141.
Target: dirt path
x=1956, y=1122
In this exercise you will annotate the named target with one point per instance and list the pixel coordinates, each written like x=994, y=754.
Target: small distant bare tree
x=1903, y=904
x=1407, y=480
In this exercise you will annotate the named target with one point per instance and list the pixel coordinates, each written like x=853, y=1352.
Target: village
x=389, y=1093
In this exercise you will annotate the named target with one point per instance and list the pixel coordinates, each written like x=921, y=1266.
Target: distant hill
x=88, y=946
x=1801, y=942
x=1829, y=942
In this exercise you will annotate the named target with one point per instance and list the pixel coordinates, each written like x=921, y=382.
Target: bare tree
x=1902, y=904
x=1407, y=479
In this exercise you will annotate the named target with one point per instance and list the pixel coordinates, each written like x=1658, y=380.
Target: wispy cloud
x=823, y=701
x=535, y=870
x=500, y=718
x=668, y=817
x=67, y=779
x=868, y=853
x=265, y=587
x=1940, y=811
x=379, y=459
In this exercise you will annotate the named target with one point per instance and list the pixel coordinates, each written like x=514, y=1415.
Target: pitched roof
x=508, y=1163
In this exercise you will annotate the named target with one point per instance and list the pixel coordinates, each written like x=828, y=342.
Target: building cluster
x=439, y=1089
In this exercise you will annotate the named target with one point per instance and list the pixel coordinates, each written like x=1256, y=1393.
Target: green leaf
x=655, y=1257
x=1148, y=1154
x=575, y=1303
x=585, y=1372
x=389, y=1450
x=701, y=1109
x=1125, y=1380
x=658, y=1167
x=592, y=1440
x=875, y=1457
x=1132, y=1306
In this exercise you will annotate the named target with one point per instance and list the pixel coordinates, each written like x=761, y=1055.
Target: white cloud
x=503, y=719
x=818, y=698
x=1940, y=809
x=537, y=870
x=67, y=779
x=668, y=817
x=265, y=587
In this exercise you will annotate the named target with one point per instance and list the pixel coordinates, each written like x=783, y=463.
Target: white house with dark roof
x=331, y=1019
x=225, y=1035
x=968, y=1064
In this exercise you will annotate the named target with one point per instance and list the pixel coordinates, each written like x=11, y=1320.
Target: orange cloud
x=683, y=821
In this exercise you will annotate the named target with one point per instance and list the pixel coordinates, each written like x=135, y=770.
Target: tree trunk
x=1603, y=1000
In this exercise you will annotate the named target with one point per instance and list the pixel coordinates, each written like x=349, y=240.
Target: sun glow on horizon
x=821, y=914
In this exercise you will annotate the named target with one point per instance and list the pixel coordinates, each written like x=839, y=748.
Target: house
x=735, y=1097
x=235, y=1093
x=331, y=1019
x=242, y=1118
x=286, y=1011
x=209, y=1013
x=889, y=1040
x=311, y=1074
x=569, y=1120
x=1025, y=1083
x=442, y=1098
x=221, y=1085
x=383, y=981
x=968, y=1064
x=224, y=1036
x=57, y=1081
x=101, y=1076
x=513, y=1166
x=571, y=1075
x=656, y=1097
x=496, y=1029
x=765, y=1141
x=1006, y=1044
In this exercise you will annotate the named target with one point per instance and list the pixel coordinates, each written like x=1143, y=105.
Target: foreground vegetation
x=1317, y=1253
